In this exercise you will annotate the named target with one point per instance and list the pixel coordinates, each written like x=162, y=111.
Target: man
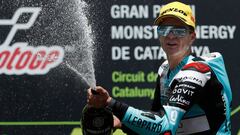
x=193, y=94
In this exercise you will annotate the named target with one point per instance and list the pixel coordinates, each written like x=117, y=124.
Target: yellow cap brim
x=159, y=20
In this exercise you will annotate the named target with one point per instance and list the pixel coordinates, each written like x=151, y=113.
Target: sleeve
x=156, y=104
x=185, y=88
x=143, y=122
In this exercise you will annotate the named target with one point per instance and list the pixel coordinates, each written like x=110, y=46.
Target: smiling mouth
x=171, y=44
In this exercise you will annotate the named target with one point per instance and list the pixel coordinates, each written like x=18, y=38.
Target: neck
x=173, y=61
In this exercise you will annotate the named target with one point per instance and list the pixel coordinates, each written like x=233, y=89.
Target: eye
x=180, y=32
x=164, y=30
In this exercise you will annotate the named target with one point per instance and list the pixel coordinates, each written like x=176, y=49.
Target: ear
x=192, y=37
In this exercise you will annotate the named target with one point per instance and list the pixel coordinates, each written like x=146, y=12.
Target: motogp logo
x=19, y=58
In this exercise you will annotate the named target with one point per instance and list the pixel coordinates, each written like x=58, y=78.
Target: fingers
x=98, y=90
x=116, y=122
x=89, y=96
x=89, y=93
x=102, y=91
x=99, y=100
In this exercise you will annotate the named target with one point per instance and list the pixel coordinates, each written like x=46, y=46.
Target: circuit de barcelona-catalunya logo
x=19, y=58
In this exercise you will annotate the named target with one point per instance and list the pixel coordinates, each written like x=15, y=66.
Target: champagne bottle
x=96, y=121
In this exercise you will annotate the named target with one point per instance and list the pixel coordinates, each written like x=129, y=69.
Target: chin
x=176, y=54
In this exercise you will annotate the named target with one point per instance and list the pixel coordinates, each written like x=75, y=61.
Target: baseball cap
x=178, y=10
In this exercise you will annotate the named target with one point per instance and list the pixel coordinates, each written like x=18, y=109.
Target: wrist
x=111, y=102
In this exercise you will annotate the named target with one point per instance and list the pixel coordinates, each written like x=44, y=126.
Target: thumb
x=101, y=91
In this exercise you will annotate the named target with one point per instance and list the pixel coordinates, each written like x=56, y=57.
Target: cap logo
x=174, y=10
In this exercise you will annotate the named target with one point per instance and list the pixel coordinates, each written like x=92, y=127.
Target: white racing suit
x=193, y=98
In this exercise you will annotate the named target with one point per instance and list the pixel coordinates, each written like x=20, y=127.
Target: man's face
x=174, y=45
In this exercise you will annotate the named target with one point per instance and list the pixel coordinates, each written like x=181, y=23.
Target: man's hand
x=99, y=100
x=116, y=122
